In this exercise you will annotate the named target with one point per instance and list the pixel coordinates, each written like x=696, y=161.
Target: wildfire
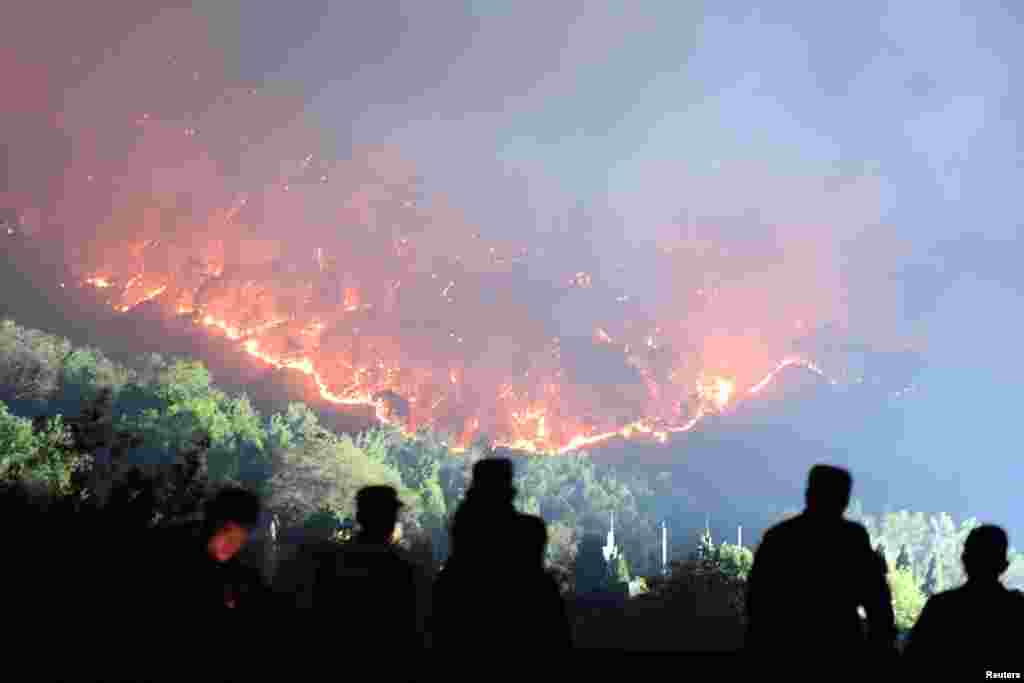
x=303, y=365
x=722, y=392
x=147, y=296
x=395, y=302
x=787, y=363
x=351, y=302
x=536, y=421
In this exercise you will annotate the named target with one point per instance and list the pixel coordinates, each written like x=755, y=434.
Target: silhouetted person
x=29, y=533
x=370, y=586
x=203, y=570
x=120, y=543
x=976, y=625
x=487, y=512
x=541, y=607
x=486, y=595
x=811, y=573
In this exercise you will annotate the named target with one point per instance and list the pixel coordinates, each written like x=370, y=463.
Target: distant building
x=610, y=551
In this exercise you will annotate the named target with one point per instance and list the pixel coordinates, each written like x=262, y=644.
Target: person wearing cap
x=377, y=512
x=369, y=581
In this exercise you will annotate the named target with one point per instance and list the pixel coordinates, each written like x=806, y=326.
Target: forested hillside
x=68, y=410
x=74, y=421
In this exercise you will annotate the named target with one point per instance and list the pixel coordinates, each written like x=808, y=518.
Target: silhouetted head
x=828, y=490
x=229, y=518
x=377, y=509
x=492, y=479
x=984, y=554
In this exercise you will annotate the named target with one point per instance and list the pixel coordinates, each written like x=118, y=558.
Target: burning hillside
x=390, y=299
x=217, y=203
x=448, y=350
x=349, y=272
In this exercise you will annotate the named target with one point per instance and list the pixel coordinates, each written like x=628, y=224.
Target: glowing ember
x=351, y=302
x=582, y=280
x=722, y=392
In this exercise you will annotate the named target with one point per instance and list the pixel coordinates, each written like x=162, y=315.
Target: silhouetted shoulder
x=773, y=533
x=856, y=531
x=803, y=523
x=780, y=532
x=406, y=560
x=945, y=600
x=373, y=562
x=965, y=603
x=1016, y=606
x=780, y=528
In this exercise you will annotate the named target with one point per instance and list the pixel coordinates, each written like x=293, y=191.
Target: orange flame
x=351, y=301
x=534, y=427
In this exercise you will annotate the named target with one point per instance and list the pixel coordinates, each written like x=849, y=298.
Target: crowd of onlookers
x=816, y=573
x=815, y=576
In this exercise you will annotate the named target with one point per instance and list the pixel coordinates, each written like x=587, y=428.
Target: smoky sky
x=805, y=163
x=519, y=112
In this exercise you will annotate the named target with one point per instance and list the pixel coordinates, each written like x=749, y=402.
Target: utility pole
x=739, y=535
x=664, y=548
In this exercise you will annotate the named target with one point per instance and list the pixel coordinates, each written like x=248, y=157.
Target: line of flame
x=723, y=397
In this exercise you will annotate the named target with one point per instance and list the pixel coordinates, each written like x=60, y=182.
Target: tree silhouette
x=706, y=547
x=903, y=560
x=93, y=433
x=933, y=579
x=184, y=483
